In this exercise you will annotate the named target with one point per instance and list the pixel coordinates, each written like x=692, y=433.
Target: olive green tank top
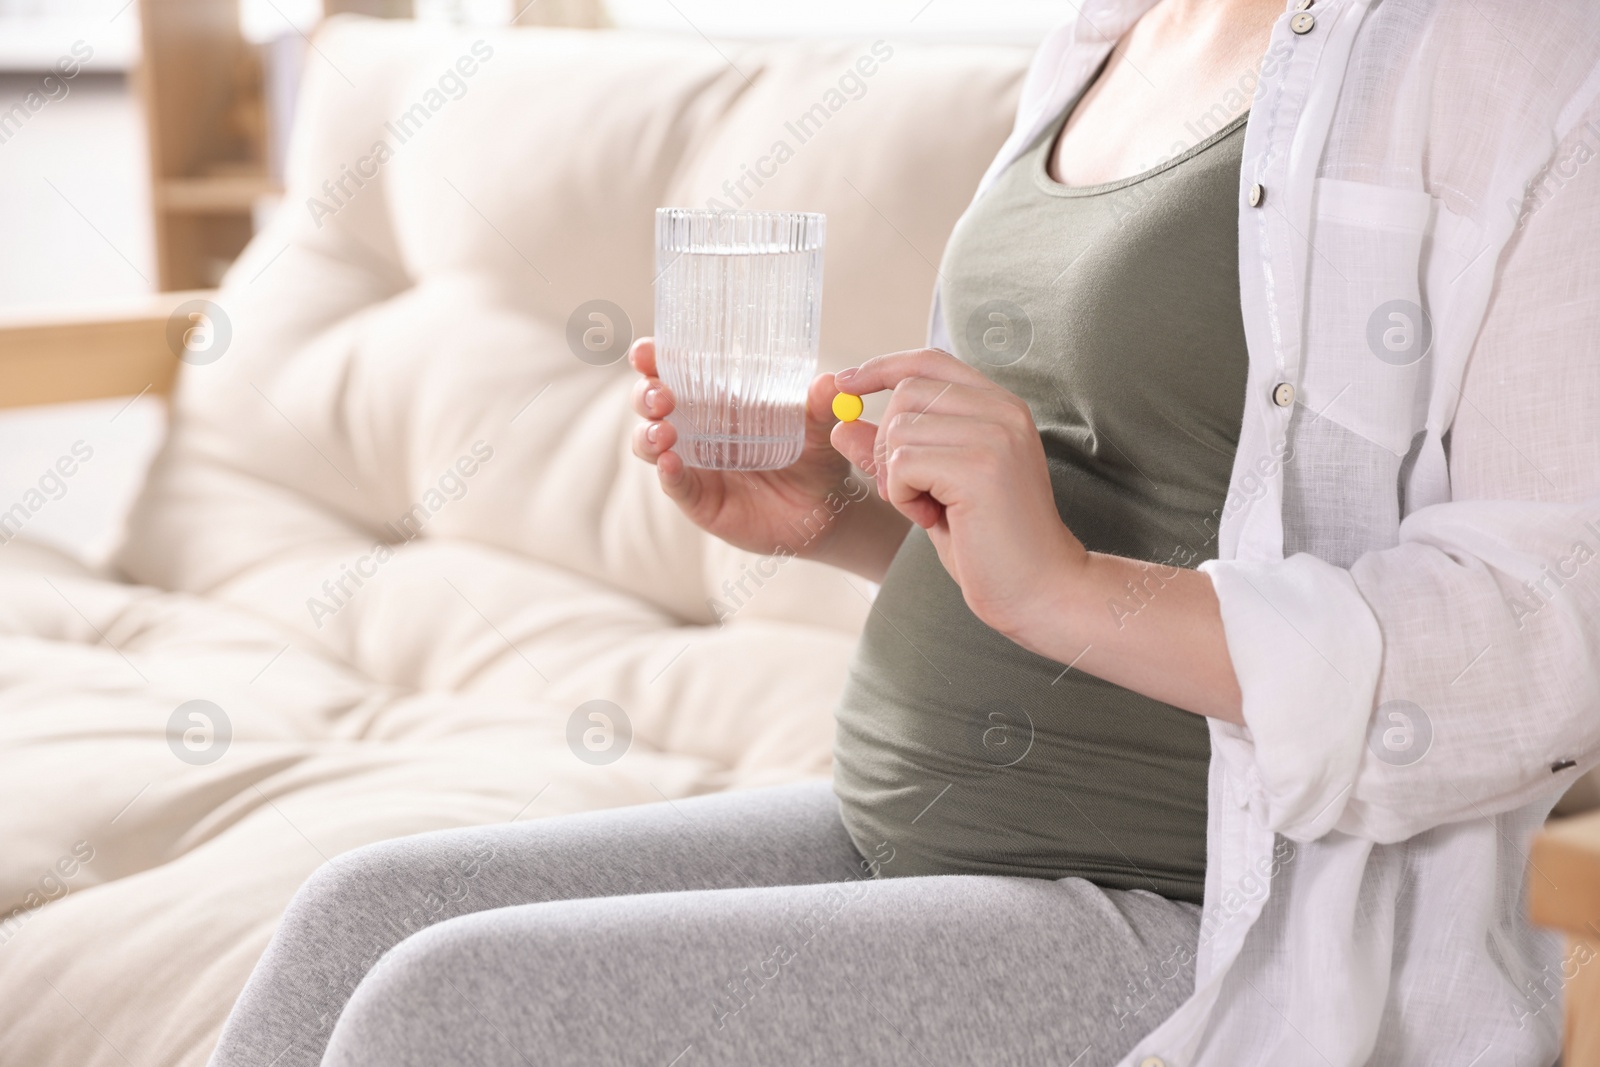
x=1113, y=310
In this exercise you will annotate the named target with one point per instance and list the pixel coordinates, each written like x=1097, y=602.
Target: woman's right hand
x=816, y=508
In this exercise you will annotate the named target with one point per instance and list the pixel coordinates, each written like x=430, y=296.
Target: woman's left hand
x=960, y=457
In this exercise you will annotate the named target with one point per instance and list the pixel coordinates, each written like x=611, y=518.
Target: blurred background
x=142, y=144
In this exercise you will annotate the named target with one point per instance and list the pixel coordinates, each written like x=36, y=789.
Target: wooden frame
x=115, y=350
x=1564, y=893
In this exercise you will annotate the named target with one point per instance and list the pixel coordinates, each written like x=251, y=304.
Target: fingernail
x=652, y=432
x=652, y=397
x=845, y=375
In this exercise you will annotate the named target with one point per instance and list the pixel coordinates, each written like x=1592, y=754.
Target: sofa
x=394, y=568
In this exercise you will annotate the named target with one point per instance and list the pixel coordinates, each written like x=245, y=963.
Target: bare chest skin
x=1187, y=68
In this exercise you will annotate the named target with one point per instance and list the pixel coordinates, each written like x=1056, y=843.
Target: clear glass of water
x=738, y=313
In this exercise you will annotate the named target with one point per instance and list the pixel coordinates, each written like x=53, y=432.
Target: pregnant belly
x=967, y=754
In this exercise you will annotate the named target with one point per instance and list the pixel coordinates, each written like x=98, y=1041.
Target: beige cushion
x=373, y=348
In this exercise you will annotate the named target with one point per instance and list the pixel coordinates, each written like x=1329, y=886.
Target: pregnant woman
x=1236, y=628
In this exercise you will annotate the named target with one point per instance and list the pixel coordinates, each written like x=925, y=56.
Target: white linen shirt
x=1409, y=556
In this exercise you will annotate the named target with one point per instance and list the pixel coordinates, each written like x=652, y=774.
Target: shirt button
x=1301, y=5
x=1283, y=394
x=1303, y=23
x=1257, y=194
x=1152, y=1061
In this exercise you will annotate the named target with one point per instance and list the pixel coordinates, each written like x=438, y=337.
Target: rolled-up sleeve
x=1307, y=649
x=1490, y=689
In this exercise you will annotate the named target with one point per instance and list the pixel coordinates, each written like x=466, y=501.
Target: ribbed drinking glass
x=738, y=313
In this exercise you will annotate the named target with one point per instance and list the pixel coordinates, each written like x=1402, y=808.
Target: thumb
x=856, y=441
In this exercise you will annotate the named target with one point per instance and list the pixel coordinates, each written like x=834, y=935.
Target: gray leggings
x=741, y=928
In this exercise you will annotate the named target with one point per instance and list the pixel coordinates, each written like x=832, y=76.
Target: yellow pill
x=847, y=407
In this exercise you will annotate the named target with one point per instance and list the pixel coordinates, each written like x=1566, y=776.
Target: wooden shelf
x=201, y=86
x=203, y=90
x=215, y=195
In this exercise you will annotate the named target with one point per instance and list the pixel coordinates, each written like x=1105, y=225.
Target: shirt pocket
x=1369, y=333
